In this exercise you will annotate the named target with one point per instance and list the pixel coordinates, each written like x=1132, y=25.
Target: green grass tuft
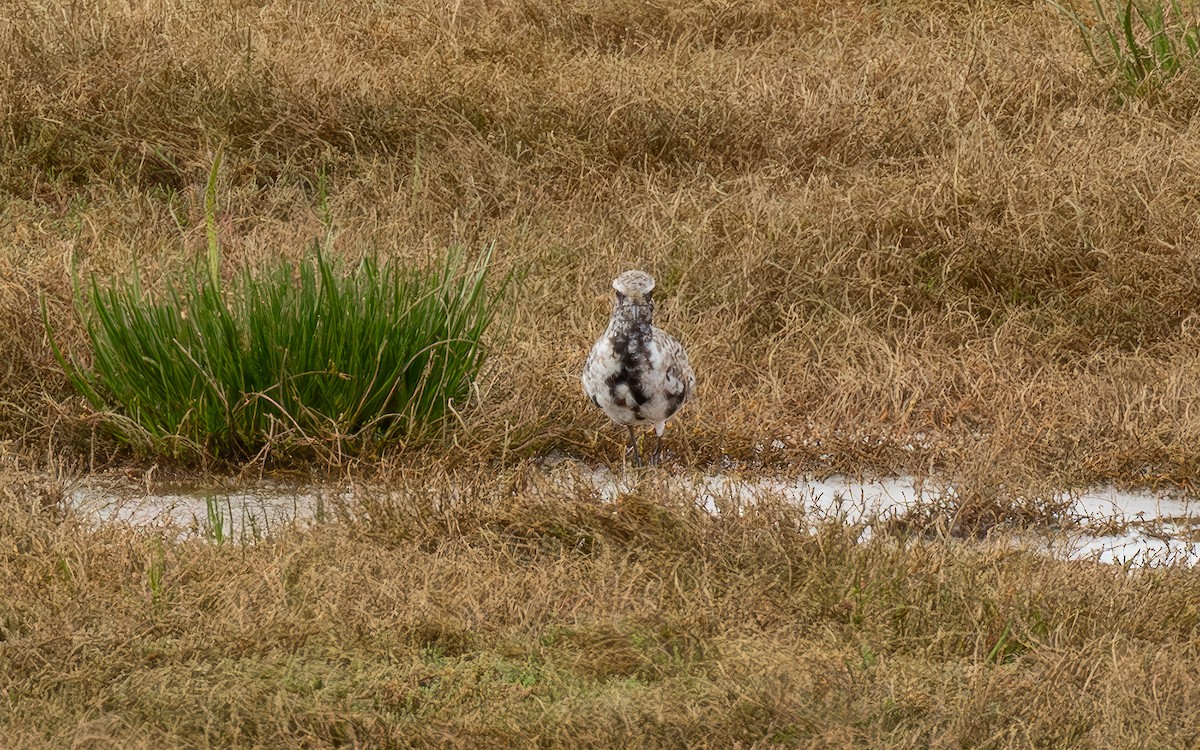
x=287, y=356
x=1144, y=43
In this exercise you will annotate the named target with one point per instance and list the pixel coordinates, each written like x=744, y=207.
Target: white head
x=634, y=304
x=634, y=287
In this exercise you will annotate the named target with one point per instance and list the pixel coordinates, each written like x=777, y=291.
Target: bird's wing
x=680, y=380
x=588, y=376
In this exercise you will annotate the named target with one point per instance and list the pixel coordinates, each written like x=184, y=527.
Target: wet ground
x=1104, y=524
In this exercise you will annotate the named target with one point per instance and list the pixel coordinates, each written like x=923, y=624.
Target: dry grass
x=875, y=225
x=869, y=222
x=525, y=618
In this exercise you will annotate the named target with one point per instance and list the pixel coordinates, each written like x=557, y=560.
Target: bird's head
x=633, y=294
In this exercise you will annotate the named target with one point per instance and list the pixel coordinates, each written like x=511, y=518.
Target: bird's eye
x=620, y=297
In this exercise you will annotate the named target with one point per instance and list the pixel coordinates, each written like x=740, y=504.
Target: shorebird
x=638, y=374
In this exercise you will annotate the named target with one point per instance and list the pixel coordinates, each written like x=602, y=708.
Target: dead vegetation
x=513, y=618
x=875, y=226
x=919, y=236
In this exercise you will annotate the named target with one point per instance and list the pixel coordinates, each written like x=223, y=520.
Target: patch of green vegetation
x=1143, y=42
x=308, y=354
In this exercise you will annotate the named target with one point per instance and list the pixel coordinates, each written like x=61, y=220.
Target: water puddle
x=245, y=514
x=1106, y=525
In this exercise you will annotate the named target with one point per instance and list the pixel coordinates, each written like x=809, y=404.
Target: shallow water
x=247, y=513
x=1107, y=525
x=1104, y=524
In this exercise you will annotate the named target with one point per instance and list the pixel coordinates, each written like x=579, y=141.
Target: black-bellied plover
x=636, y=373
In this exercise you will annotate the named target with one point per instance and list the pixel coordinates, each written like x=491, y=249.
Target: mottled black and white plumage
x=636, y=373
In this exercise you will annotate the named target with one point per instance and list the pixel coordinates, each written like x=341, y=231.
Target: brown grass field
x=924, y=237
x=518, y=619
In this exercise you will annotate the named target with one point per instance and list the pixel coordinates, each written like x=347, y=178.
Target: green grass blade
x=340, y=358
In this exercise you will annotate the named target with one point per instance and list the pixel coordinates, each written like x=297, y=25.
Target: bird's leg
x=633, y=446
x=657, y=455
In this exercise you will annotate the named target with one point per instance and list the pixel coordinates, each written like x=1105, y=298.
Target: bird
x=636, y=373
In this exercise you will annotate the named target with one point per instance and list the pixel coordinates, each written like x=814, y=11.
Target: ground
x=928, y=238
